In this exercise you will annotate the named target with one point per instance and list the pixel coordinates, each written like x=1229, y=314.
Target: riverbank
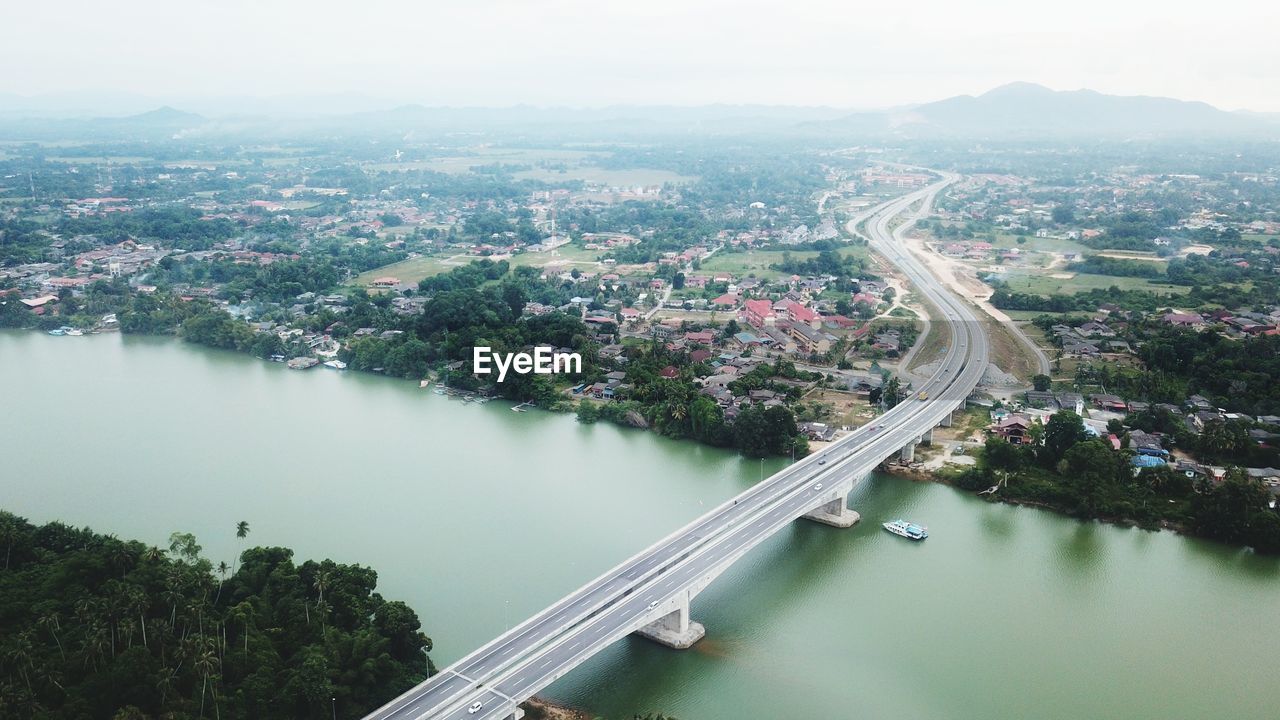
x=542, y=709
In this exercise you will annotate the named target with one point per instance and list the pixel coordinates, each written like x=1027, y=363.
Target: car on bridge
x=474, y=707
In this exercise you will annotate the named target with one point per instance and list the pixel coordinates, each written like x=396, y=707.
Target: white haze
x=846, y=53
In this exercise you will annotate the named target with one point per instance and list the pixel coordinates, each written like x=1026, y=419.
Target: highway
x=662, y=578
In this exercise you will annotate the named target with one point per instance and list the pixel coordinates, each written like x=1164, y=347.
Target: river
x=478, y=516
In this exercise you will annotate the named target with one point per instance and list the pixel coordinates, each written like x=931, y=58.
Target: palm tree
x=243, y=612
x=52, y=623
x=206, y=663
x=242, y=532
x=18, y=653
x=678, y=411
x=8, y=535
x=222, y=578
x=321, y=582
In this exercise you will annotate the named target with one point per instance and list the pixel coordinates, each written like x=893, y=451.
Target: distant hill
x=160, y=123
x=1027, y=110
x=1018, y=111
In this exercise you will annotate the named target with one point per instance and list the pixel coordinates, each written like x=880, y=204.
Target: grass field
x=414, y=269
x=1035, y=244
x=407, y=271
x=1071, y=283
x=752, y=262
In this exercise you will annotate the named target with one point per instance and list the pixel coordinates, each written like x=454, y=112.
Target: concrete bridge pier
x=908, y=453
x=946, y=421
x=834, y=511
x=674, y=628
x=927, y=438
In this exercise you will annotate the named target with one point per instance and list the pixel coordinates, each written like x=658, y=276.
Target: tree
x=1064, y=429
x=1229, y=511
x=1041, y=382
x=999, y=454
x=1092, y=469
x=242, y=532
x=891, y=393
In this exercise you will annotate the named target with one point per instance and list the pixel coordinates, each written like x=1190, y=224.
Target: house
x=1041, y=399
x=810, y=340
x=759, y=314
x=1079, y=349
x=817, y=431
x=1198, y=402
x=701, y=337
x=887, y=341
x=798, y=313
x=1092, y=329
x=39, y=301
x=1112, y=403
x=862, y=385
x=1014, y=429
x=669, y=372
x=1071, y=401
x=1183, y=319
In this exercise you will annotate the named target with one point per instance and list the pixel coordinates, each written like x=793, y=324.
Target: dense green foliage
x=827, y=262
x=179, y=227
x=1066, y=469
x=96, y=627
x=1240, y=375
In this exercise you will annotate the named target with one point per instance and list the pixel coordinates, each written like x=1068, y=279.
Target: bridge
x=650, y=593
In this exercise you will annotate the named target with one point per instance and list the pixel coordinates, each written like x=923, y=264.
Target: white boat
x=336, y=365
x=424, y=383
x=911, y=531
x=75, y=331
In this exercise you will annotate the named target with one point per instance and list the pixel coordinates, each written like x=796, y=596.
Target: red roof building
x=759, y=313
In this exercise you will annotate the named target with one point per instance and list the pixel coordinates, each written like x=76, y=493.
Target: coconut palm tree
x=53, y=623
x=222, y=578
x=206, y=663
x=242, y=532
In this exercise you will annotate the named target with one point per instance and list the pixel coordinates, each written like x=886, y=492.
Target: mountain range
x=1027, y=110
x=1010, y=112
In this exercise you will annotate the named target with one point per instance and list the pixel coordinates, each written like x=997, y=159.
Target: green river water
x=478, y=516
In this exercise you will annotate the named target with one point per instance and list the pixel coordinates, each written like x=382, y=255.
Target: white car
x=653, y=604
x=475, y=707
x=818, y=486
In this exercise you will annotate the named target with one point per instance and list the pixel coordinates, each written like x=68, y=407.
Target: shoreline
x=929, y=476
x=539, y=708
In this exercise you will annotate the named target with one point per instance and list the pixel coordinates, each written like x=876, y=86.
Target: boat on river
x=910, y=531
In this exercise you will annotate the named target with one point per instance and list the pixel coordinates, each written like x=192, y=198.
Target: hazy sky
x=577, y=52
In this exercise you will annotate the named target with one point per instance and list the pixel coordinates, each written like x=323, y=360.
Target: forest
x=92, y=626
